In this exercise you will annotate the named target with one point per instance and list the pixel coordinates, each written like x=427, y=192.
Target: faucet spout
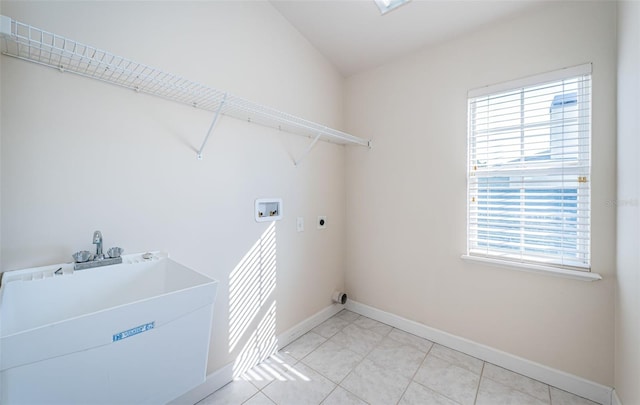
x=97, y=240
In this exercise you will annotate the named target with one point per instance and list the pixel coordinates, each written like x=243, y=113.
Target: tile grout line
x=416, y=372
x=376, y=345
x=518, y=389
x=268, y=397
x=254, y=394
x=360, y=362
x=352, y=369
x=271, y=382
x=475, y=400
x=429, y=388
x=327, y=340
x=366, y=354
x=329, y=394
x=337, y=384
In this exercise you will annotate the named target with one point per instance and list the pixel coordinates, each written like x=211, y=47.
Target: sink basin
x=136, y=332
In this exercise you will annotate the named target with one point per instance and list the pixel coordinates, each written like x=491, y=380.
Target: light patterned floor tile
x=419, y=343
x=333, y=361
x=416, y=394
x=304, y=345
x=340, y=396
x=302, y=387
x=375, y=384
x=330, y=327
x=397, y=357
x=236, y=392
x=273, y=368
x=517, y=381
x=375, y=326
x=560, y=397
x=259, y=399
x=494, y=393
x=357, y=339
x=307, y=371
x=448, y=379
x=283, y=357
x=458, y=358
x=347, y=315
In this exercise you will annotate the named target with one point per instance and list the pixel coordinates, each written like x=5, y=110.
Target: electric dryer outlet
x=322, y=222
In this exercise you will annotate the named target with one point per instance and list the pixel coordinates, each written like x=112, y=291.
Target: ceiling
x=355, y=37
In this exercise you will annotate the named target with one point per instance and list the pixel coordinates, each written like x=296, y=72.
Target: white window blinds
x=529, y=170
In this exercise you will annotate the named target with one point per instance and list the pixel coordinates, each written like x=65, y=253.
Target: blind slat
x=529, y=169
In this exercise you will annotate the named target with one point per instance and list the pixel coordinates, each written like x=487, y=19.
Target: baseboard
x=212, y=383
x=560, y=379
x=305, y=326
x=224, y=375
x=615, y=400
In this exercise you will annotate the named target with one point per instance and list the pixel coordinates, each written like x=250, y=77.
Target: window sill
x=536, y=268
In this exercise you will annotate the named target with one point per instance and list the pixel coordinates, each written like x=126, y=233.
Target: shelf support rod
x=213, y=124
x=306, y=152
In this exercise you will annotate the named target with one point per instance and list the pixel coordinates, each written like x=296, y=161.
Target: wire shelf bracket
x=32, y=44
x=213, y=124
x=306, y=151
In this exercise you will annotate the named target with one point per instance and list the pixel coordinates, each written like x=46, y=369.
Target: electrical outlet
x=300, y=224
x=322, y=222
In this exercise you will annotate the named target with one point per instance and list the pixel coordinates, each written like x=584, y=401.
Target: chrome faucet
x=97, y=240
x=85, y=260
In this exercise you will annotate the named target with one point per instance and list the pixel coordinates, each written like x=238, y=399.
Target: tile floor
x=351, y=359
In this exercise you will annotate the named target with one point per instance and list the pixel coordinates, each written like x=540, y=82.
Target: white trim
x=305, y=326
x=560, y=74
x=536, y=268
x=615, y=400
x=211, y=384
x=224, y=375
x=556, y=378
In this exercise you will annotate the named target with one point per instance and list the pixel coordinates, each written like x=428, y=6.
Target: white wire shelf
x=32, y=44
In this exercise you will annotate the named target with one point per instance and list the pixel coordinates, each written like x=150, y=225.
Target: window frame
x=581, y=271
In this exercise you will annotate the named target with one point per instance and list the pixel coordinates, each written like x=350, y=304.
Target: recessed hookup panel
x=268, y=209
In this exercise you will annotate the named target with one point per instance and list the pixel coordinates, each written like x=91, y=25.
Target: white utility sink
x=136, y=332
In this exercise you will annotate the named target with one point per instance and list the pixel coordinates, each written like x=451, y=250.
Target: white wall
x=79, y=155
x=406, y=198
x=627, y=356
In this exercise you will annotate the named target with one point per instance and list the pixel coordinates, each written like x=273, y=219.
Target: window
x=388, y=5
x=529, y=170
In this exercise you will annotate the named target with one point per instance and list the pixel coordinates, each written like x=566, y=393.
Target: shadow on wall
x=252, y=304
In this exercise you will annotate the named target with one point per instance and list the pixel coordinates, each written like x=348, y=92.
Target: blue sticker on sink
x=134, y=331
